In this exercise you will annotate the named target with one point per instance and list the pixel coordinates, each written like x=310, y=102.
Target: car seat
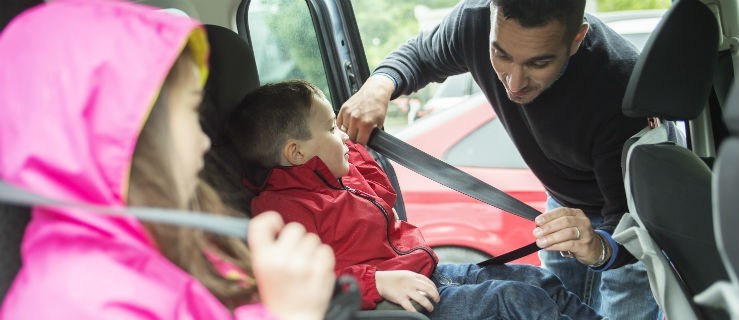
x=13, y=219
x=725, y=294
x=232, y=75
x=668, y=187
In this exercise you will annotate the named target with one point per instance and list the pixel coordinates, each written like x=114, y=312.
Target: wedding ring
x=579, y=234
x=566, y=254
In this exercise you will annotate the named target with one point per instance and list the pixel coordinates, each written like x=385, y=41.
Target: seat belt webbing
x=458, y=180
x=223, y=225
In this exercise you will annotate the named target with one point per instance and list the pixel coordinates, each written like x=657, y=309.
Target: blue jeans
x=468, y=291
x=621, y=293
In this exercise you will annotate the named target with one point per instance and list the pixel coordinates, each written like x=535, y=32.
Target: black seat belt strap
x=458, y=180
x=511, y=255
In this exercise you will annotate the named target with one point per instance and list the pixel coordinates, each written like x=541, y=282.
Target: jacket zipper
x=388, y=225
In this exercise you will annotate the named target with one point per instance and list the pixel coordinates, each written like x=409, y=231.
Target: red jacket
x=352, y=214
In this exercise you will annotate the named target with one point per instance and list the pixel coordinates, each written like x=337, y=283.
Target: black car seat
x=668, y=187
x=233, y=73
x=725, y=294
x=13, y=219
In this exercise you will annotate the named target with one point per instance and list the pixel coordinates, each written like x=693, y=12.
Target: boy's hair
x=267, y=117
x=150, y=185
x=537, y=13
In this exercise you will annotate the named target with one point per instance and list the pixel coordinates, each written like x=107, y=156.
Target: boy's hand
x=402, y=286
x=293, y=269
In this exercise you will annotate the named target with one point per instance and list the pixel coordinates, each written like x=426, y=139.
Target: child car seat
x=668, y=187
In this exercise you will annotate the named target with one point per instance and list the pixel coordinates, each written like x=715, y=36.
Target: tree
x=618, y=5
x=385, y=25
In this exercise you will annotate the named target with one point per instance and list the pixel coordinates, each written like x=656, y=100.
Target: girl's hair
x=267, y=117
x=150, y=185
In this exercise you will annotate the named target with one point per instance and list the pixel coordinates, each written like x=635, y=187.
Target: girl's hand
x=293, y=269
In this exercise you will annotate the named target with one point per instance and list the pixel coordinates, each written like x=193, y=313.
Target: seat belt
x=345, y=300
x=458, y=180
x=223, y=225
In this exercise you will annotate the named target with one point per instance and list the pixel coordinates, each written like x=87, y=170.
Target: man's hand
x=402, y=286
x=366, y=109
x=293, y=269
x=567, y=229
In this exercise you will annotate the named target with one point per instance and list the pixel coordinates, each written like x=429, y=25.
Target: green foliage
x=617, y=5
x=293, y=34
x=385, y=25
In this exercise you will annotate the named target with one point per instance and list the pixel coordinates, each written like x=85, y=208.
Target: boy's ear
x=292, y=154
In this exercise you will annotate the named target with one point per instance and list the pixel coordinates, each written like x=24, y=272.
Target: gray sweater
x=570, y=136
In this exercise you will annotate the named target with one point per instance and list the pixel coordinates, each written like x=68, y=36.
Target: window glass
x=488, y=147
x=285, y=45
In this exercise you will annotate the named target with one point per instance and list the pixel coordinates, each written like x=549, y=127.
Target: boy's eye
x=333, y=128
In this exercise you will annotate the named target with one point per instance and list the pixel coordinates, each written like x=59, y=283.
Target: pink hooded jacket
x=77, y=81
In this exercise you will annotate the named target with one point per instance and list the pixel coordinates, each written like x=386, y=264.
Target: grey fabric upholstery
x=726, y=184
x=725, y=294
x=726, y=212
x=672, y=193
x=669, y=187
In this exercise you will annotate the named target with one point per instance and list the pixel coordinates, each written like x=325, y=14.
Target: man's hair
x=537, y=13
x=267, y=117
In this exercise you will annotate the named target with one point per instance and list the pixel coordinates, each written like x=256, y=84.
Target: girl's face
x=189, y=141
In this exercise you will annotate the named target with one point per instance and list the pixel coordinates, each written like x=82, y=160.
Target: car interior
x=669, y=187
x=683, y=209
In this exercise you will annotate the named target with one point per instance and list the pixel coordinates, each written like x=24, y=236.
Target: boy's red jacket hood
x=353, y=215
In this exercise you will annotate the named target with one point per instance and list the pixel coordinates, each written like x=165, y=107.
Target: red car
x=462, y=229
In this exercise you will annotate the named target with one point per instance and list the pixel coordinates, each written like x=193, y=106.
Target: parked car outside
x=462, y=229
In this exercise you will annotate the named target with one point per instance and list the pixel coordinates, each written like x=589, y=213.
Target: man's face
x=528, y=60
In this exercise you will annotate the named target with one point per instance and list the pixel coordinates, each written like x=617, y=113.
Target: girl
x=100, y=105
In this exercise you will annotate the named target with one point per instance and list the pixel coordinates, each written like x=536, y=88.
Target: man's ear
x=579, y=37
x=292, y=154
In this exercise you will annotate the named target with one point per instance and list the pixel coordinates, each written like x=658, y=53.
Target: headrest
x=731, y=113
x=233, y=73
x=673, y=76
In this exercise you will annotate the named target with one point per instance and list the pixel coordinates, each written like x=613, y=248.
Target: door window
x=285, y=43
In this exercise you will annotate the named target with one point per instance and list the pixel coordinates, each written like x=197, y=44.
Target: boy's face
x=327, y=142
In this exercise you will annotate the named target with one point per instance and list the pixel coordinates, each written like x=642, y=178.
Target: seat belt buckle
x=653, y=122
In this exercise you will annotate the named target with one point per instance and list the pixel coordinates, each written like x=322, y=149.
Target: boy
x=304, y=168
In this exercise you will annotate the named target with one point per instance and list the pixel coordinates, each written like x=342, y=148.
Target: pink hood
x=78, y=81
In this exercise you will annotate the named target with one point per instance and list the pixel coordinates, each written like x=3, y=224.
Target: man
x=556, y=79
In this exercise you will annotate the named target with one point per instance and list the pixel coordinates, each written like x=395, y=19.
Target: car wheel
x=461, y=255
